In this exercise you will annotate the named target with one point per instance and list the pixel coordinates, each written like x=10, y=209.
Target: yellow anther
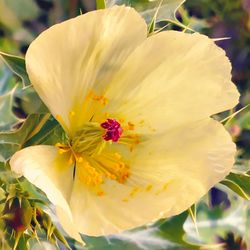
x=62, y=150
x=100, y=193
x=149, y=187
x=134, y=191
x=118, y=156
x=165, y=186
x=71, y=160
x=131, y=126
x=100, y=98
x=59, y=145
x=72, y=113
x=106, y=115
x=79, y=159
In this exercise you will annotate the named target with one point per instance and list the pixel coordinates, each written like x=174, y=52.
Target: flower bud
x=17, y=214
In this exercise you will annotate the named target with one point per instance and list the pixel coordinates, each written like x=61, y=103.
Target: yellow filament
x=113, y=167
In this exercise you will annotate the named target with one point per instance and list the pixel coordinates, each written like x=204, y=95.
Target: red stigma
x=114, y=130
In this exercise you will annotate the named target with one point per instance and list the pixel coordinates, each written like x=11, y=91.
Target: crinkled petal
x=78, y=57
x=168, y=174
x=50, y=171
x=173, y=78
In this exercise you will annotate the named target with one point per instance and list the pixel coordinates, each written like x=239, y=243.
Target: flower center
x=88, y=140
x=93, y=163
x=91, y=138
x=114, y=130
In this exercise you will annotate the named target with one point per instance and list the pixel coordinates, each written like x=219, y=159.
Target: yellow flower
x=137, y=113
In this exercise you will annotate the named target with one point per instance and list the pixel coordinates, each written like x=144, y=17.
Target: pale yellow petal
x=173, y=78
x=48, y=170
x=168, y=174
x=68, y=225
x=72, y=59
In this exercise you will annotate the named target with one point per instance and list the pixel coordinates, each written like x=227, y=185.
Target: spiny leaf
x=192, y=213
x=231, y=116
x=7, y=81
x=237, y=186
x=50, y=133
x=174, y=224
x=7, y=118
x=239, y=183
x=151, y=27
x=153, y=11
x=28, y=102
x=164, y=234
x=166, y=11
x=17, y=65
x=12, y=141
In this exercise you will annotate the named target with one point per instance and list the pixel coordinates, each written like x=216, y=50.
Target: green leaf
x=49, y=133
x=151, y=27
x=239, y=183
x=166, y=11
x=10, y=142
x=154, y=11
x=214, y=222
x=236, y=188
x=164, y=234
x=7, y=81
x=100, y=4
x=244, y=120
x=174, y=224
x=148, y=8
x=7, y=118
x=17, y=65
x=192, y=213
x=242, y=166
x=28, y=101
x=227, y=120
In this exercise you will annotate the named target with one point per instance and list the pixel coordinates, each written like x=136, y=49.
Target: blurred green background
x=22, y=20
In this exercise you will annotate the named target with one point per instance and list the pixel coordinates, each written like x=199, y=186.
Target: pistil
x=113, y=130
